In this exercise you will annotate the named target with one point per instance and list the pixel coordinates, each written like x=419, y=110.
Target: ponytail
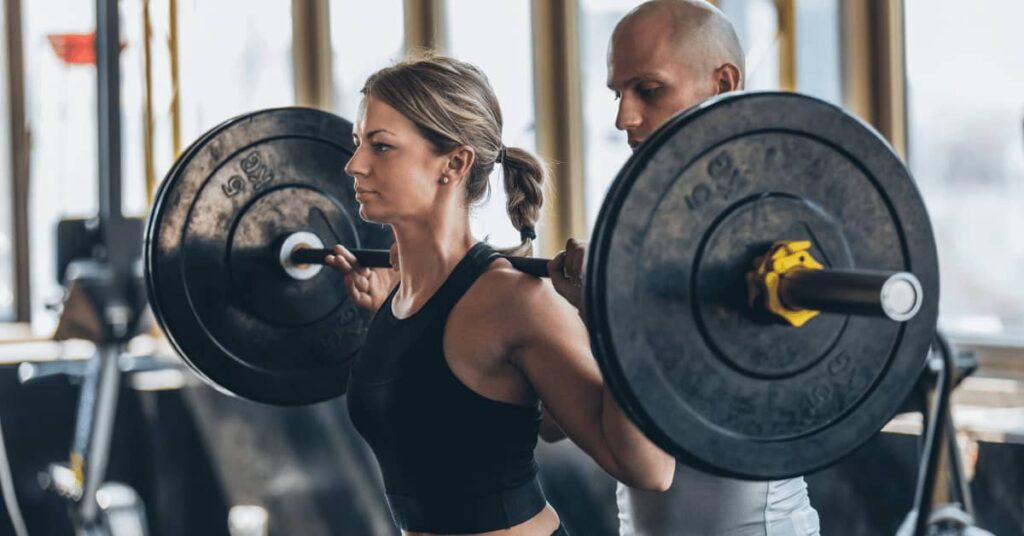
x=524, y=177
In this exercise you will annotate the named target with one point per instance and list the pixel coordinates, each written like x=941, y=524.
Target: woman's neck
x=428, y=251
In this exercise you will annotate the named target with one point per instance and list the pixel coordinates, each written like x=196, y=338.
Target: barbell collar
x=895, y=295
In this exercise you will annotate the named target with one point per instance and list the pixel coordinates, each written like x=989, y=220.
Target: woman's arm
x=550, y=432
x=552, y=348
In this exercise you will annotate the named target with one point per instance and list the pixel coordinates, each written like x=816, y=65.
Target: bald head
x=698, y=30
x=666, y=56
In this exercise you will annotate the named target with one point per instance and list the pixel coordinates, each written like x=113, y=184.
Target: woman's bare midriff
x=543, y=524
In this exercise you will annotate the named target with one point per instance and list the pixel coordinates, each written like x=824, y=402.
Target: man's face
x=651, y=78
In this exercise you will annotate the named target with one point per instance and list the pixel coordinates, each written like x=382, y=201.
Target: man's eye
x=647, y=91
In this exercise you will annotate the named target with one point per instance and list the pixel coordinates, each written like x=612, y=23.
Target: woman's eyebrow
x=372, y=133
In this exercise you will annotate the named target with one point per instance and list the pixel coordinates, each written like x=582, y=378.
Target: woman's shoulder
x=512, y=293
x=502, y=280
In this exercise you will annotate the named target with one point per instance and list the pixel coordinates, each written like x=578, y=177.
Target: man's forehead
x=627, y=69
x=641, y=47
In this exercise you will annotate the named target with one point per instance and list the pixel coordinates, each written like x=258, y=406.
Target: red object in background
x=75, y=49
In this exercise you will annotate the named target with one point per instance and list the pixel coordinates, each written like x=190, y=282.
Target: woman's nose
x=355, y=166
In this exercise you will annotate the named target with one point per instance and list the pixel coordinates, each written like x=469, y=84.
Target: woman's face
x=397, y=173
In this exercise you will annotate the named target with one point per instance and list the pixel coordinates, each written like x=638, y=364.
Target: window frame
x=19, y=159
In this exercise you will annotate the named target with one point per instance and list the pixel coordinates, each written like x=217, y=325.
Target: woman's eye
x=381, y=147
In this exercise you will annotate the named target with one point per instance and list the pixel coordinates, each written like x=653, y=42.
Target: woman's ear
x=460, y=162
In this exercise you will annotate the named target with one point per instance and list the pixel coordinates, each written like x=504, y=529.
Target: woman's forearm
x=640, y=462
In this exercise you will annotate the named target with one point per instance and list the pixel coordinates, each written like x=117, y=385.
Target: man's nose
x=629, y=117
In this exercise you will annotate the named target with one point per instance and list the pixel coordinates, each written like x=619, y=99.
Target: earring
x=444, y=179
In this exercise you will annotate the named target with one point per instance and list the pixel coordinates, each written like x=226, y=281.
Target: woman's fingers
x=349, y=257
x=341, y=251
x=362, y=282
x=344, y=253
x=393, y=254
x=342, y=264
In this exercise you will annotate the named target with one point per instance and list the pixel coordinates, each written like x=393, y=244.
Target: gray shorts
x=702, y=504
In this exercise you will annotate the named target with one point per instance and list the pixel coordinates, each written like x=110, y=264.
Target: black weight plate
x=724, y=387
x=214, y=280
x=185, y=156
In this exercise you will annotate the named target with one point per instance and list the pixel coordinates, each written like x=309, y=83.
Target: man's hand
x=566, y=271
x=366, y=287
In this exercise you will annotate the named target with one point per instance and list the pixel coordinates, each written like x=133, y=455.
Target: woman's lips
x=363, y=194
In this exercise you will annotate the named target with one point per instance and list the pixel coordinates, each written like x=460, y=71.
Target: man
x=666, y=56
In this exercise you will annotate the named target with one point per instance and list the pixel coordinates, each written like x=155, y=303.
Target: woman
x=461, y=353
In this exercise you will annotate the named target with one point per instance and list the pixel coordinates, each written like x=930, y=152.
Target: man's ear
x=727, y=78
x=460, y=162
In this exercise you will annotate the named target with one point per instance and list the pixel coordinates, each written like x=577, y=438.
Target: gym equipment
x=213, y=279
x=762, y=282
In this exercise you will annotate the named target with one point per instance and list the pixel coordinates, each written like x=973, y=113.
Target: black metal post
x=94, y=427
x=934, y=434
x=108, y=79
x=108, y=284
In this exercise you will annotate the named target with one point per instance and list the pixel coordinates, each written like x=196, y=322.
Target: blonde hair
x=452, y=103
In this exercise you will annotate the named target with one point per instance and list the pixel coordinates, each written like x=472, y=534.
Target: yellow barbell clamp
x=783, y=257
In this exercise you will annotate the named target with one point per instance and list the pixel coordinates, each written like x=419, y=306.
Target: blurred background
x=943, y=80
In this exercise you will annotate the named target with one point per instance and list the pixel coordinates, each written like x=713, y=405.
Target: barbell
x=761, y=284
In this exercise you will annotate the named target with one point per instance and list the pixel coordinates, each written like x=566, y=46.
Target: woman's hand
x=366, y=287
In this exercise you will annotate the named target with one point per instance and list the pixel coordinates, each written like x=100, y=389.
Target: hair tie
x=527, y=232
x=501, y=156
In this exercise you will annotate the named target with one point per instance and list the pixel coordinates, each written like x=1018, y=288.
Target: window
x=61, y=109
x=133, y=182
x=818, y=50
x=162, y=88
x=966, y=118
x=365, y=36
x=7, y=261
x=235, y=57
x=495, y=36
x=818, y=61
x=756, y=24
x=604, y=147
x=60, y=94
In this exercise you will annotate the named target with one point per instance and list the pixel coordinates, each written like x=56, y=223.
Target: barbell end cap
x=902, y=296
x=301, y=239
